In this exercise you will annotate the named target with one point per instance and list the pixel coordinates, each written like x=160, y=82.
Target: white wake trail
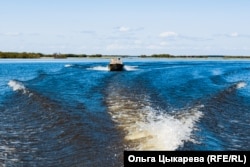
x=148, y=129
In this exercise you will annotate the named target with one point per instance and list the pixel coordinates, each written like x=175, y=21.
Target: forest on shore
x=31, y=55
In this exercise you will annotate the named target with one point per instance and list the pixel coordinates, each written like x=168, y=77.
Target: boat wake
x=234, y=87
x=99, y=68
x=28, y=122
x=105, y=68
x=130, y=68
x=241, y=84
x=68, y=65
x=18, y=86
x=146, y=128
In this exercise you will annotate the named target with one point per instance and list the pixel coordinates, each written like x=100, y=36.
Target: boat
x=115, y=64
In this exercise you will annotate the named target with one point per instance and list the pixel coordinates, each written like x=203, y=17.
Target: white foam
x=17, y=86
x=148, y=129
x=217, y=72
x=130, y=68
x=164, y=132
x=68, y=65
x=241, y=85
x=99, y=68
x=105, y=68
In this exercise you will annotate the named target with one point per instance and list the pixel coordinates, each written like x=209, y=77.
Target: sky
x=126, y=27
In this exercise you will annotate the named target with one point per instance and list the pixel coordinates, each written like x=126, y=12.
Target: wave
x=225, y=97
x=146, y=128
x=217, y=72
x=68, y=65
x=241, y=84
x=235, y=86
x=99, y=68
x=77, y=66
x=17, y=86
x=105, y=68
x=149, y=128
x=130, y=68
x=44, y=119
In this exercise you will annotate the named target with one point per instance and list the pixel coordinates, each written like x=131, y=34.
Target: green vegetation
x=237, y=57
x=55, y=55
x=39, y=55
x=62, y=56
x=194, y=56
x=162, y=55
x=20, y=55
x=96, y=55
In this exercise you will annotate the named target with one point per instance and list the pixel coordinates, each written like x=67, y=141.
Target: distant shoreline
x=108, y=57
x=26, y=55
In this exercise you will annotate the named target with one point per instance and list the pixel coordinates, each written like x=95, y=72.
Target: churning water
x=77, y=113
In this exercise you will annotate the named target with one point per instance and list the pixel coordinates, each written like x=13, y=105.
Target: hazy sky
x=121, y=27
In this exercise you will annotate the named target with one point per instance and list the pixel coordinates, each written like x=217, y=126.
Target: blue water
x=74, y=112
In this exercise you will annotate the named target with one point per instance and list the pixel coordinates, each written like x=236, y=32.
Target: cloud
x=168, y=34
x=128, y=29
x=13, y=34
x=175, y=36
x=124, y=29
x=193, y=38
x=234, y=34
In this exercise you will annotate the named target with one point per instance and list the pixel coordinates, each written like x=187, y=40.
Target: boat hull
x=115, y=67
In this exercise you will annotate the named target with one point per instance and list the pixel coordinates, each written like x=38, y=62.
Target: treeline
x=192, y=56
x=40, y=55
x=173, y=56
x=158, y=56
x=59, y=55
x=20, y=55
x=162, y=55
x=54, y=55
x=240, y=57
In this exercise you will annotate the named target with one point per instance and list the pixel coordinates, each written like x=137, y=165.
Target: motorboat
x=115, y=64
